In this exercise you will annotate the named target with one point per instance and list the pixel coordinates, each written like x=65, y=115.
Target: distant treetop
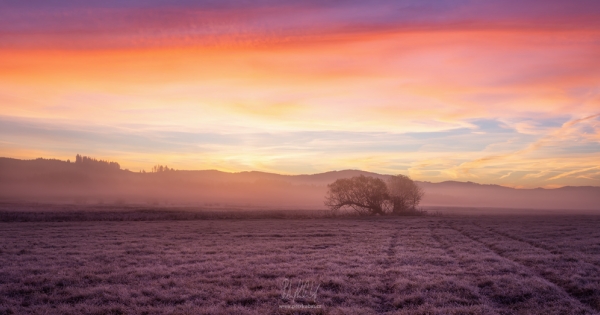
x=160, y=169
x=88, y=162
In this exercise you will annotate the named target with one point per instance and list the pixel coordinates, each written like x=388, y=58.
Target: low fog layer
x=102, y=182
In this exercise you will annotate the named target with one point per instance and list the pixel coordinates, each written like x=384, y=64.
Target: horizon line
x=301, y=174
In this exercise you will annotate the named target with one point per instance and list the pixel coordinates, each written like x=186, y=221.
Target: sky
x=494, y=92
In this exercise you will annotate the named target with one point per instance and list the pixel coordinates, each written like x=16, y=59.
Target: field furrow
x=579, y=279
x=506, y=284
x=576, y=238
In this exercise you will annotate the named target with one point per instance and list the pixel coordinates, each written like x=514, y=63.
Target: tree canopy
x=404, y=194
x=365, y=195
x=372, y=196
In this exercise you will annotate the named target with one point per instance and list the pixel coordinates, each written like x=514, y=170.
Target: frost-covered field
x=408, y=265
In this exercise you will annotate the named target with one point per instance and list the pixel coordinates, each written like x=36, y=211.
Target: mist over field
x=86, y=237
x=56, y=181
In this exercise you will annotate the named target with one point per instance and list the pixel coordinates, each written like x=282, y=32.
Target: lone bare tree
x=370, y=196
x=404, y=194
x=365, y=195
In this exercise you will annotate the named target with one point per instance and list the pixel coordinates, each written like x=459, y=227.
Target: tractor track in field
x=447, y=247
x=583, y=296
x=387, y=280
x=551, y=250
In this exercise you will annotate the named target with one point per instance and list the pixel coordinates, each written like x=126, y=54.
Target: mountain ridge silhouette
x=56, y=180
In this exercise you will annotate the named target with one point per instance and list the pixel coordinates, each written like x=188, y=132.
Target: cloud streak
x=72, y=25
x=565, y=132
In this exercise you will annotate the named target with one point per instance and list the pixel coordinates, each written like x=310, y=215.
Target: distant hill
x=90, y=181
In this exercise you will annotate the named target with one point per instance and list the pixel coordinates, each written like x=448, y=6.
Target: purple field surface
x=405, y=265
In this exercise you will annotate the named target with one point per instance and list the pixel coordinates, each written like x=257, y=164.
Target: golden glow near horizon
x=452, y=95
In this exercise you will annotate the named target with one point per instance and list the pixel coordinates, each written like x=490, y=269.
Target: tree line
x=368, y=195
x=90, y=162
x=161, y=169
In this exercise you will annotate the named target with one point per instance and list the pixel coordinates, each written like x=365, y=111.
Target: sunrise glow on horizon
x=494, y=92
